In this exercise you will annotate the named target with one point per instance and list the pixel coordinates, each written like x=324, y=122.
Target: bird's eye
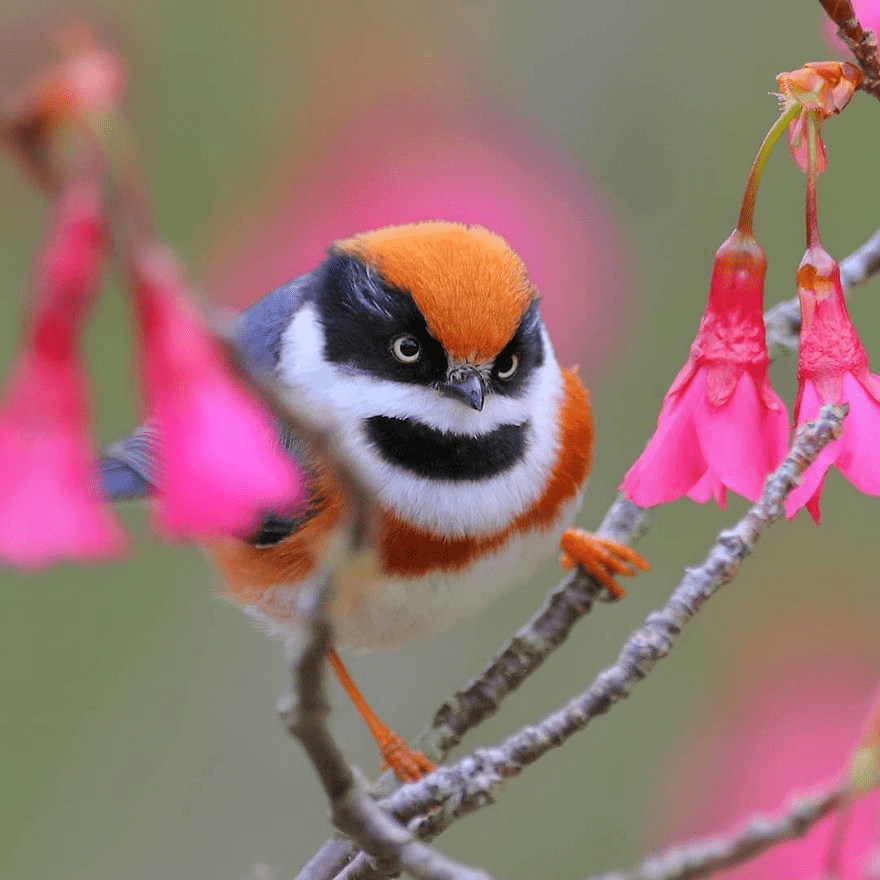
x=506, y=366
x=406, y=348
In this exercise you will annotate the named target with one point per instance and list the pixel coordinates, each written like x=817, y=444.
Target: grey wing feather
x=261, y=327
x=126, y=471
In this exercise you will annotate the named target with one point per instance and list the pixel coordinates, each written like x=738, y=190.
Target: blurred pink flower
x=220, y=467
x=833, y=367
x=49, y=508
x=793, y=729
x=420, y=161
x=721, y=424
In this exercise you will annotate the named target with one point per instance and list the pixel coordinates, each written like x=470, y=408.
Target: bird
x=425, y=343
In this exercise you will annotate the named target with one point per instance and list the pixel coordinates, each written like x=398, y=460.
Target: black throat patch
x=443, y=455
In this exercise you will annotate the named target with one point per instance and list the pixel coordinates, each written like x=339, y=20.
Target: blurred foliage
x=138, y=731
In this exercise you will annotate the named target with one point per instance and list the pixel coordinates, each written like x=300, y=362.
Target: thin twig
x=432, y=804
x=703, y=857
x=862, y=43
x=315, y=430
x=529, y=646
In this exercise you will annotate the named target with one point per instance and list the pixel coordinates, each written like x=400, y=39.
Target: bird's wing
x=126, y=470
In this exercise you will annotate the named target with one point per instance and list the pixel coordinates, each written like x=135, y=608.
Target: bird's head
x=434, y=304
x=426, y=342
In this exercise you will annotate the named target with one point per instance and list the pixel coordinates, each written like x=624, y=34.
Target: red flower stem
x=747, y=210
x=812, y=214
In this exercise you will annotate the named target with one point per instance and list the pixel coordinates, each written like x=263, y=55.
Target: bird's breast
x=428, y=577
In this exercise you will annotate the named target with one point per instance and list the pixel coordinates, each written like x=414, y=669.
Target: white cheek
x=450, y=508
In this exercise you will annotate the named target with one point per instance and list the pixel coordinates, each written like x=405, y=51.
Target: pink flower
x=721, y=425
x=220, y=468
x=784, y=729
x=49, y=506
x=833, y=367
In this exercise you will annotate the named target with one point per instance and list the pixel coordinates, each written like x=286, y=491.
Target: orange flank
x=249, y=571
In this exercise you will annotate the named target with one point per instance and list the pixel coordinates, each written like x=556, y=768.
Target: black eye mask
x=361, y=316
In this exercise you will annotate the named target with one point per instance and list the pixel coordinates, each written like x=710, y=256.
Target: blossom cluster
x=218, y=467
x=721, y=425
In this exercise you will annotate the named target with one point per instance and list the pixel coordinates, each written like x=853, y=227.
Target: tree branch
x=530, y=645
x=353, y=810
x=703, y=857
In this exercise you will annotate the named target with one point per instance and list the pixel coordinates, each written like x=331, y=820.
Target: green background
x=138, y=737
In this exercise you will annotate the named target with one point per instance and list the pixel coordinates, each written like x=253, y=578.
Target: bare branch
x=432, y=804
x=329, y=861
x=703, y=857
x=862, y=43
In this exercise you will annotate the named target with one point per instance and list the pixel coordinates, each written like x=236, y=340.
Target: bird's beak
x=466, y=384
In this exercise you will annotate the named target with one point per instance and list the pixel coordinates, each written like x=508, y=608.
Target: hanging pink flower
x=49, y=508
x=220, y=467
x=721, y=425
x=832, y=368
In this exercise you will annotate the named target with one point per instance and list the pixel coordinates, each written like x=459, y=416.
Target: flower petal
x=221, y=467
x=809, y=491
x=743, y=441
x=858, y=460
x=222, y=485
x=707, y=488
x=672, y=463
x=49, y=508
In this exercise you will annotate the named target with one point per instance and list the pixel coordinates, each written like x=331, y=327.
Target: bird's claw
x=601, y=557
x=407, y=763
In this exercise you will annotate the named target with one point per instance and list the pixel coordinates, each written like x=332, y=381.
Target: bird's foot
x=601, y=557
x=407, y=763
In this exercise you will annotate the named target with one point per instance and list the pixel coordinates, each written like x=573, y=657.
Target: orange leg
x=407, y=763
x=601, y=557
